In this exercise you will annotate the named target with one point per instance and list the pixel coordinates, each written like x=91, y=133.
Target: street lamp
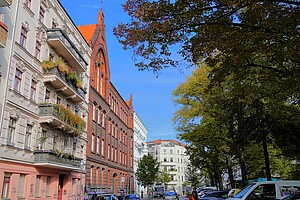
x=82, y=162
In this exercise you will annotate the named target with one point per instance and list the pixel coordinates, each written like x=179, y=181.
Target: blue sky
x=151, y=95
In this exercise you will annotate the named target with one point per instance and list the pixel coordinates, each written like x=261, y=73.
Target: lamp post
x=82, y=162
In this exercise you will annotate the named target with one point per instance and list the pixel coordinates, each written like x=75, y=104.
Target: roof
x=87, y=31
x=160, y=141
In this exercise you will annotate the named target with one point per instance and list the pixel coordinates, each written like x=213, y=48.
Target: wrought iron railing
x=51, y=157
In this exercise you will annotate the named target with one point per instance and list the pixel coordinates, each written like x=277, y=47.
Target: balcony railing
x=5, y=3
x=66, y=48
x=65, y=86
x=3, y=35
x=57, y=116
x=51, y=158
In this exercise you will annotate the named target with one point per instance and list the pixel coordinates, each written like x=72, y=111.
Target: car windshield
x=244, y=191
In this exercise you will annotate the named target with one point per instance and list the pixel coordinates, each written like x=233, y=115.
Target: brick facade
x=110, y=122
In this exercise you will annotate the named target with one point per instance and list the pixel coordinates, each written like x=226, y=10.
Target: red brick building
x=110, y=122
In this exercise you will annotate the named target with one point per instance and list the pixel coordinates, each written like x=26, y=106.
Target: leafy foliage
x=147, y=170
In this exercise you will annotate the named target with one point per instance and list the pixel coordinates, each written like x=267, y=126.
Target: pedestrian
x=85, y=196
x=194, y=194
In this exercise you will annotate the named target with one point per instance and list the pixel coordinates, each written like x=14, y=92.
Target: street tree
x=192, y=175
x=164, y=177
x=147, y=170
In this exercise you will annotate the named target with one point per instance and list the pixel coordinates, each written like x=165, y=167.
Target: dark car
x=106, y=197
x=215, y=195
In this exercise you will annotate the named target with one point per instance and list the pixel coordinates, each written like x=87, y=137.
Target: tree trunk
x=267, y=159
x=243, y=167
x=230, y=172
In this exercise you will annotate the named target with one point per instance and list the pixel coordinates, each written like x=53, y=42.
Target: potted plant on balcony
x=62, y=66
x=78, y=82
x=47, y=64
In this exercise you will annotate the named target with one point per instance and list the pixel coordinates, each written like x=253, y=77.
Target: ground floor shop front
x=29, y=182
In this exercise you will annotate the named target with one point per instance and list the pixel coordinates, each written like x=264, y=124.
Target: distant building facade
x=171, y=156
x=110, y=148
x=44, y=103
x=140, y=147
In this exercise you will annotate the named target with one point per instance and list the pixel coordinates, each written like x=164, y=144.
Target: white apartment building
x=44, y=103
x=172, y=158
x=140, y=146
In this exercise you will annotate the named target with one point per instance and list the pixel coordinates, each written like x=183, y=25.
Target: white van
x=268, y=190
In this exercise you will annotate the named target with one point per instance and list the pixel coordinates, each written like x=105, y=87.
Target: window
x=11, y=130
x=28, y=136
x=43, y=139
x=33, y=90
x=5, y=187
x=171, y=159
x=37, y=186
x=94, y=114
x=98, y=145
x=42, y=14
x=58, y=100
x=2, y=17
x=108, y=152
x=37, y=49
x=48, y=181
x=171, y=151
x=23, y=37
x=165, y=151
x=47, y=95
x=21, y=186
x=27, y=3
x=18, y=80
x=93, y=143
x=102, y=147
x=102, y=118
x=264, y=190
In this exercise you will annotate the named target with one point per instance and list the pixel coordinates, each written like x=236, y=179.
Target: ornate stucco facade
x=171, y=156
x=140, y=146
x=44, y=109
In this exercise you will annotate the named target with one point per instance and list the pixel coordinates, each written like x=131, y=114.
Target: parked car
x=106, y=197
x=131, y=197
x=215, y=195
x=233, y=192
x=203, y=191
x=292, y=197
x=268, y=190
x=93, y=195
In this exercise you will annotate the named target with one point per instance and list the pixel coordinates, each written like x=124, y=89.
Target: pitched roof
x=87, y=31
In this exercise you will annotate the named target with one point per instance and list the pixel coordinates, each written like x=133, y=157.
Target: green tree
x=192, y=175
x=242, y=30
x=147, y=170
x=164, y=177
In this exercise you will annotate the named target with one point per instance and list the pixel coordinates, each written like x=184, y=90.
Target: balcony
x=59, y=82
x=5, y=3
x=167, y=163
x=62, y=44
x=3, y=35
x=49, y=158
x=59, y=117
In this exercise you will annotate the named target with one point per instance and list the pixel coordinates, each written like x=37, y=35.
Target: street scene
x=149, y=99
